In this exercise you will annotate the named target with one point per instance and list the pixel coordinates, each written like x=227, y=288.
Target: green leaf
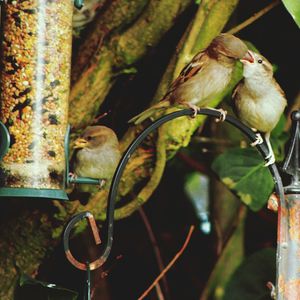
x=293, y=7
x=243, y=171
x=29, y=288
x=249, y=280
x=279, y=138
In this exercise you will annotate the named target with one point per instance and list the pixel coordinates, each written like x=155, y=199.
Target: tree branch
x=255, y=17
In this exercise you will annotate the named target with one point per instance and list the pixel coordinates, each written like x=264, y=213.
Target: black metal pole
x=113, y=192
x=262, y=148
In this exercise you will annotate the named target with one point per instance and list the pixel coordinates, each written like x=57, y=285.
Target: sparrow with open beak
x=259, y=100
x=207, y=75
x=97, y=156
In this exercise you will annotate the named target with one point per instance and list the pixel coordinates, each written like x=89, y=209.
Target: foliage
x=29, y=288
x=249, y=280
x=243, y=169
x=279, y=138
x=293, y=6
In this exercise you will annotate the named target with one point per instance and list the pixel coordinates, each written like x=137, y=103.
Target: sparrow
x=97, y=156
x=85, y=15
x=207, y=75
x=258, y=99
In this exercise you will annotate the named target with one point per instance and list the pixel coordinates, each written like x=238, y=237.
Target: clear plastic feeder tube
x=35, y=82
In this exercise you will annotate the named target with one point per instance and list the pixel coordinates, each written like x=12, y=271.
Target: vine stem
x=171, y=263
x=156, y=252
x=252, y=19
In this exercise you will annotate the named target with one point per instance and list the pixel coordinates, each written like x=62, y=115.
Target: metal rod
x=262, y=148
x=66, y=239
x=84, y=180
x=87, y=295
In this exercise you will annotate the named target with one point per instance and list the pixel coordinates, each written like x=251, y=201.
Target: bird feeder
x=35, y=82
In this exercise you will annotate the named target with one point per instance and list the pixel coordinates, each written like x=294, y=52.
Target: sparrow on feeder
x=97, y=156
x=207, y=75
x=258, y=99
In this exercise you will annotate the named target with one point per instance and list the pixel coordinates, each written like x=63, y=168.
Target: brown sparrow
x=259, y=100
x=97, y=156
x=203, y=78
x=85, y=15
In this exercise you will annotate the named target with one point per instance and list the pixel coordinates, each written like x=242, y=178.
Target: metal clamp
x=113, y=192
x=66, y=238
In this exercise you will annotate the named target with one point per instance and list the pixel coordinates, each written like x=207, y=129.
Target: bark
x=117, y=53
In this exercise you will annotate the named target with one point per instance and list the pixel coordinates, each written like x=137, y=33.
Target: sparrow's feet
x=271, y=286
x=259, y=140
x=223, y=114
x=195, y=109
x=270, y=159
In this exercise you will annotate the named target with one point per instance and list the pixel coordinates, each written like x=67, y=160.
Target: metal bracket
x=113, y=192
x=66, y=238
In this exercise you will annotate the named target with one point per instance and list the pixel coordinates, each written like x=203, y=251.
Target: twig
x=171, y=263
x=253, y=18
x=98, y=118
x=156, y=252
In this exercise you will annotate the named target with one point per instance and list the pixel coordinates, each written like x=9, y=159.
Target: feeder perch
x=113, y=192
x=35, y=83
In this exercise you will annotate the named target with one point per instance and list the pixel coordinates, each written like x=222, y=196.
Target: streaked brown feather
x=190, y=70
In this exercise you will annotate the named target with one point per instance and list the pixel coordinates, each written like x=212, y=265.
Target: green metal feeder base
x=34, y=193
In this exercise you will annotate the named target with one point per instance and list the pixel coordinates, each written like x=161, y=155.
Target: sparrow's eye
x=89, y=138
x=260, y=61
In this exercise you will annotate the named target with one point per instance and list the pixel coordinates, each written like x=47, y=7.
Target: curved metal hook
x=66, y=237
x=262, y=148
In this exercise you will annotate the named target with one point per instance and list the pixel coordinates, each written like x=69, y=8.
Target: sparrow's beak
x=248, y=58
x=80, y=143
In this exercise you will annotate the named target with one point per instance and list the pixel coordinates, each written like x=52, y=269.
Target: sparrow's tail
x=149, y=112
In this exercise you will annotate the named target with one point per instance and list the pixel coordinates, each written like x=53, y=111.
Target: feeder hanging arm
x=262, y=148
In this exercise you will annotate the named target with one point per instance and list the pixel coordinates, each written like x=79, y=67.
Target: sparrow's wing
x=237, y=89
x=190, y=70
x=279, y=88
